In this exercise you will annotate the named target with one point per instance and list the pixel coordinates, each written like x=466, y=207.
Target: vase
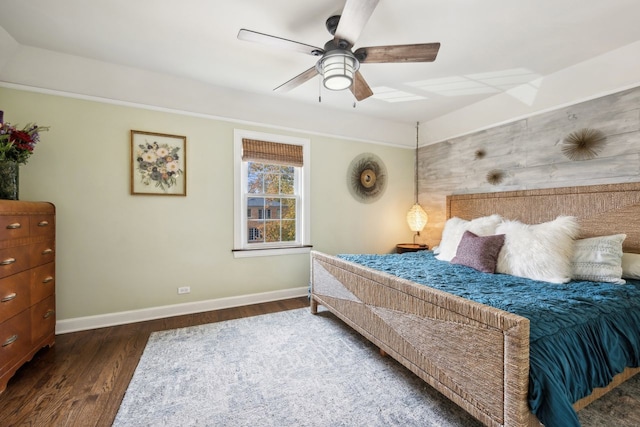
x=9, y=177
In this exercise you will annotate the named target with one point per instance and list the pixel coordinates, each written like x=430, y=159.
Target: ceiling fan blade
x=425, y=52
x=279, y=42
x=354, y=16
x=360, y=88
x=298, y=80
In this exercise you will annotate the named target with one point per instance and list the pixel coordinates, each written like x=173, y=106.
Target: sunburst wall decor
x=367, y=178
x=583, y=144
x=495, y=177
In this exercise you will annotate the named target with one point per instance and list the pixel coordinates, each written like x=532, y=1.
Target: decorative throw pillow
x=539, y=252
x=455, y=227
x=630, y=266
x=598, y=259
x=479, y=252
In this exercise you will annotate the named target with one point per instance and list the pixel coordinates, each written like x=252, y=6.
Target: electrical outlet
x=184, y=290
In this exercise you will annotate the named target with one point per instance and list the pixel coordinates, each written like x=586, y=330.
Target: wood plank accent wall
x=528, y=154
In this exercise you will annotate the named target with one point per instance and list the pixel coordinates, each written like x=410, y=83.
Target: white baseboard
x=123, y=317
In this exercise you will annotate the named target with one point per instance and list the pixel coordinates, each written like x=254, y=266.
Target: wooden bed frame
x=475, y=355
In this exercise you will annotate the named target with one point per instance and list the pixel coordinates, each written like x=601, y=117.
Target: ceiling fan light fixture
x=338, y=68
x=337, y=65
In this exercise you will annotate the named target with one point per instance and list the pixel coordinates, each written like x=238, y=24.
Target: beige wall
x=119, y=252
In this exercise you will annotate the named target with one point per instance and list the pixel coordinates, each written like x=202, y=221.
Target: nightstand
x=410, y=247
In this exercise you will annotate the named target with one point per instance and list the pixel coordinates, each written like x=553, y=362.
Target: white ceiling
x=487, y=46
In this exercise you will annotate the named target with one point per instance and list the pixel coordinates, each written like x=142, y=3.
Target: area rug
x=295, y=369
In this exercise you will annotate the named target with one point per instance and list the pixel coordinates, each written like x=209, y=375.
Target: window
x=271, y=194
x=254, y=235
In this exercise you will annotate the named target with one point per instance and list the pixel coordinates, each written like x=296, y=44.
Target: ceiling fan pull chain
x=319, y=91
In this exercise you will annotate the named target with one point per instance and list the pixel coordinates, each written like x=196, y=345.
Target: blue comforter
x=581, y=333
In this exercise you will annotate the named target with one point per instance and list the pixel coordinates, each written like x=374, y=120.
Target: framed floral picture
x=158, y=164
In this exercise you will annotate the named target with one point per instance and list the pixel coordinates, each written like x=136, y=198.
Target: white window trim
x=239, y=203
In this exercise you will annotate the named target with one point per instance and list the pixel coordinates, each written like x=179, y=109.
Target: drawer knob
x=49, y=313
x=9, y=297
x=47, y=251
x=14, y=226
x=43, y=223
x=47, y=279
x=10, y=340
x=7, y=261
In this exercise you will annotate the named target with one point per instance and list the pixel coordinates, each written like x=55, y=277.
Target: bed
x=476, y=355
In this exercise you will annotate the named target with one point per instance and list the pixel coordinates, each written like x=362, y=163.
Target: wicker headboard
x=600, y=209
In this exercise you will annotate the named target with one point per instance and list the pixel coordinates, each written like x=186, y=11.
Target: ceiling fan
x=338, y=64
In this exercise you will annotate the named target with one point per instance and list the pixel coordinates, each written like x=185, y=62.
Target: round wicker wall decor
x=367, y=178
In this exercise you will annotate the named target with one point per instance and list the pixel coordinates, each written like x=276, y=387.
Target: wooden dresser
x=27, y=283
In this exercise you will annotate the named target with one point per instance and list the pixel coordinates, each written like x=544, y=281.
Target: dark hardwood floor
x=82, y=379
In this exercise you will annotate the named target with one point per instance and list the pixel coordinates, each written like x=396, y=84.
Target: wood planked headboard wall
x=600, y=209
x=527, y=153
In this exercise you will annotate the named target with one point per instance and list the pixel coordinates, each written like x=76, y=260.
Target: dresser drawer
x=42, y=225
x=42, y=253
x=15, y=339
x=15, y=294
x=43, y=318
x=13, y=227
x=14, y=260
x=43, y=282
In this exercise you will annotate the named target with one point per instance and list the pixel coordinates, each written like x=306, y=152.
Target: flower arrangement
x=158, y=163
x=18, y=144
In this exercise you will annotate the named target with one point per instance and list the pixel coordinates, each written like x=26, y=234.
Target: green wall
x=119, y=252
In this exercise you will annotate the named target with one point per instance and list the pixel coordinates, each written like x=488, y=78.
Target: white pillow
x=598, y=259
x=539, y=252
x=631, y=265
x=455, y=227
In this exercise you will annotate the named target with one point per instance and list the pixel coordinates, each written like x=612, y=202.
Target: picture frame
x=158, y=164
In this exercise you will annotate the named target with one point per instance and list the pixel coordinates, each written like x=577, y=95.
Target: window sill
x=292, y=250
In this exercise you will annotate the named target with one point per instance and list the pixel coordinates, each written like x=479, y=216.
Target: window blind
x=254, y=150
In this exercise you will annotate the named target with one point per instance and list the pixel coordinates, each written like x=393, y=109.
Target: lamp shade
x=416, y=218
x=338, y=68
